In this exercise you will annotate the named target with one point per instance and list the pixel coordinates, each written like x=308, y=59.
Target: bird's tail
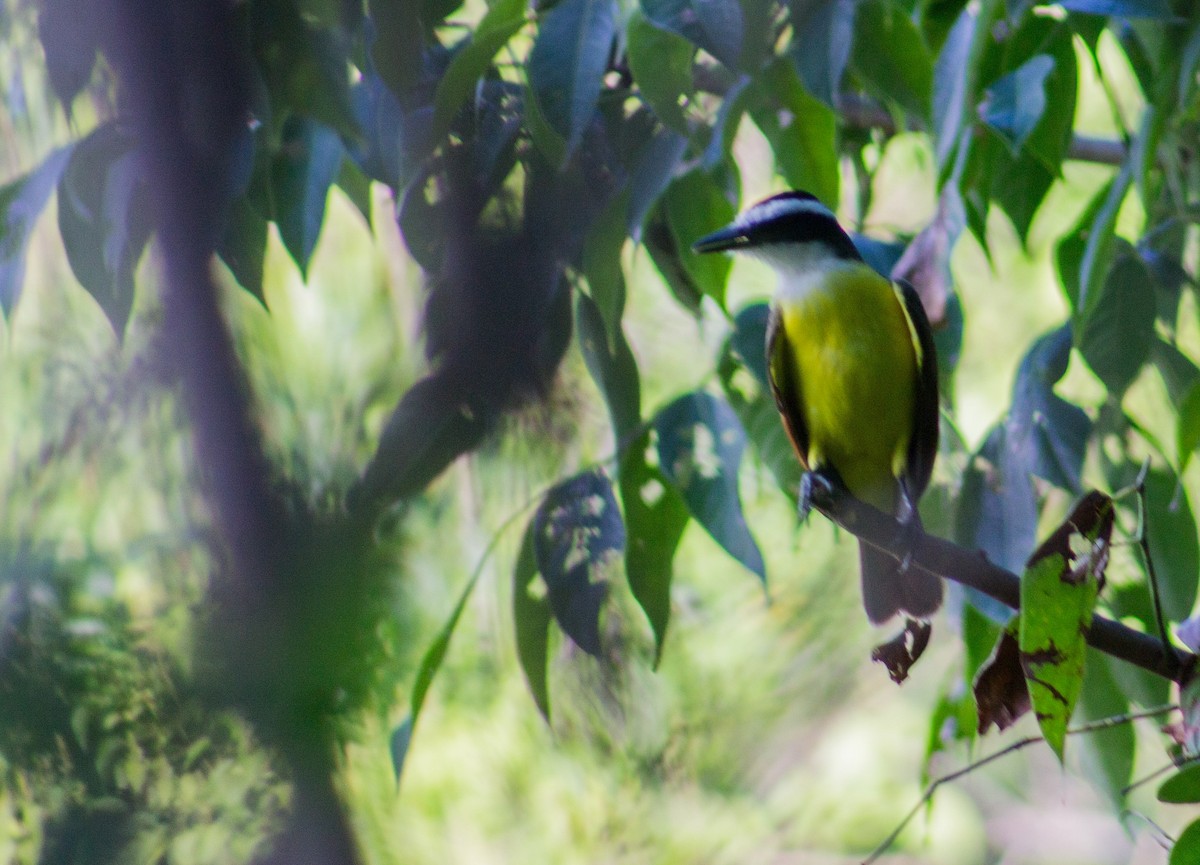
x=888, y=588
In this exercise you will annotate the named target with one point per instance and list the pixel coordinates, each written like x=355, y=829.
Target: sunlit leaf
x=471, y=62
x=21, y=203
x=694, y=206
x=655, y=517
x=566, y=66
x=1118, y=327
x=661, y=63
x=1058, y=594
x=308, y=161
x=531, y=621
x=1186, y=850
x=803, y=137
x=578, y=535
x=700, y=445
x=890, y=54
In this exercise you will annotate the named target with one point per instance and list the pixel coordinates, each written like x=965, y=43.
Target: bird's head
x=791, y=230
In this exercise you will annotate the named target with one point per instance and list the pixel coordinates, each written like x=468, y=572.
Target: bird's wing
x=923, y=446
x=785, y=385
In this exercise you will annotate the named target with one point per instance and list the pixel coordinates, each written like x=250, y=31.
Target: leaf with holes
x=578, y=536
x=1058, y=595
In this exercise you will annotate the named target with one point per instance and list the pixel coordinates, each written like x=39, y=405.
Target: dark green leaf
x=661, y=63
x=1187, y=430
x=356, y=186
x=1182, y=788
x=891, y=56
x=1179, y=374
x=997, y=510
x=428, y=430
x=655, y=517
x=1187, y=846
x=667, y=254
x=694, y=206
x=243, y=247
x=398, y=745
x=104, y=220
x=602, y=267
x=951, y=79
x=309, y=158
x=1019, y=186
x=651, y=174
x=21, y=203
x=1058, y=594
x=1171, y=533
x=1051, y=431
x=804, y=142
x=700, y=445
x=742, y=369
x=69, y=39
x=1118, y=328
x=531, y=620
x=567, y=64
x=717, y=27
x=578, y=536
x=1108, y=752
x=1014, y=104
x=471, y=62
x=398, y=48
x=1098, y=252
x=737, y=101
x=822, y=34
x=612, y=366
x=1160, y=9
x=1069, y=254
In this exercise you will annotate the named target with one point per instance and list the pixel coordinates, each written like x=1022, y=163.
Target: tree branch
x=972, y=568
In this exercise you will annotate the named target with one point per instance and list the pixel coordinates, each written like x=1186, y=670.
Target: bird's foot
x=812, y=483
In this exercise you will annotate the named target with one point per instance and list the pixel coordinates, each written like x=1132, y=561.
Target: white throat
x=800, y=267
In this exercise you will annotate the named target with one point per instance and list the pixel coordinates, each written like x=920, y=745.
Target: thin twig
x=1157, y=773
x=1092, y=727
x=1143, y=538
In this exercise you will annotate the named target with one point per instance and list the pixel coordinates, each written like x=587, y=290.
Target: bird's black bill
x=729, y=237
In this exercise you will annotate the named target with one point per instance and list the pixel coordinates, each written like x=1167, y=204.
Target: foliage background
x=764, y=732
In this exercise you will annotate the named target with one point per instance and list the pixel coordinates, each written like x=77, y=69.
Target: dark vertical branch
x=184, y=83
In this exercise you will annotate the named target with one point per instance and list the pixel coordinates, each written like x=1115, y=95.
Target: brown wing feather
x=782, y=374
x=923, y=446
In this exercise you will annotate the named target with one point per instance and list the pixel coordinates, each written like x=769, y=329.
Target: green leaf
x=717, y=27
x=21, y=203
x=104, y=219
x=655, y=517
x=531, y=621
x=1187, y=430
x=567, y=64
x=891, y=56
x=822, y=34
x=1054, y=432
x=471, y=62
x=1058, y=595
x=956, y=78
x=1171, y=534
x=399, y=46
x=742, y=369
x=308, y=161
x=1182, y=788
x=1160, y=9
x=578, y=535
x=805, y=143
x=1068, y=256
x=651, y=174
x=611, y=363
x=431, y=662
x=243, y=247
x=694, y=206
x=1015, y=103
x=1187, y=846
x=700, y=446
x=661, y=63
x=1178, y=372
x=1118, y=326
x=1098, y=251
x=69, y=40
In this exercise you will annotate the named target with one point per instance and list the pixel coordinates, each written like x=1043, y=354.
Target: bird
x=853, y=369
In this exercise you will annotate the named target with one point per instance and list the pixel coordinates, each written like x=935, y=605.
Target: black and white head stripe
x=789, y=217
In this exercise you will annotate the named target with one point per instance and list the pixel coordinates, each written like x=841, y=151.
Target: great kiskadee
x=854, y=374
